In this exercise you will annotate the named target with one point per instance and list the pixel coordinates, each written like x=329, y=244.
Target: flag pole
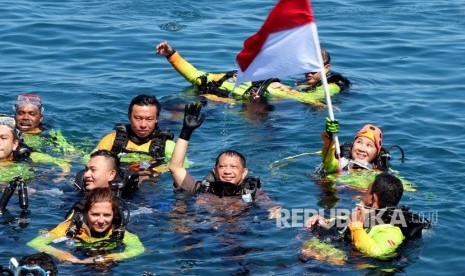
x=316, y=42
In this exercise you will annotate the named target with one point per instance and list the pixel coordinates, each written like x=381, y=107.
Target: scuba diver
x=360, y=161
x=15, y=156
x=227, y=184
x=219, y=86
x=103, y=170
x=141, y=143
x=97, y=231
x=376, y=227
x=29, y=121
x=38, y=264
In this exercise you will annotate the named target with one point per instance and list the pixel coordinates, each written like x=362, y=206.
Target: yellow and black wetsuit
x=314, y=96
x=380, y=241
x=133, y=246
x=158, y=150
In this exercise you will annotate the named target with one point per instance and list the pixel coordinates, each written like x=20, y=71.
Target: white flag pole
x=316, y=42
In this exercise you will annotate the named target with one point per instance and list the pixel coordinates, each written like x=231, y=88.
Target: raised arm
x=192, y=120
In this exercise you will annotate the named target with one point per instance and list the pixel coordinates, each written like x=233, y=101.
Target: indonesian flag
x=287, y=44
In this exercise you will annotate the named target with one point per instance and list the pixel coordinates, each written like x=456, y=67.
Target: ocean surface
x=88, y=59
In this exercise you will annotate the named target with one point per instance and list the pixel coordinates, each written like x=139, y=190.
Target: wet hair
x=99, y=195
x=388, y=188
x=42, y=259
x=231, y=153
x=109, y=156
x=144, y=100
x=326, y=57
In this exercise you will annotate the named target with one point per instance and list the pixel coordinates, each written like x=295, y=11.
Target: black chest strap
x=157, y=143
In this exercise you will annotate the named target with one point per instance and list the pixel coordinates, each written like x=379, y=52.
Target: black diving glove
x=332, y=127
x=192, y=120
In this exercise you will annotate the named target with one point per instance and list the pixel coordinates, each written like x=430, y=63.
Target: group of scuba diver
x=363, y=164
x=97, y=224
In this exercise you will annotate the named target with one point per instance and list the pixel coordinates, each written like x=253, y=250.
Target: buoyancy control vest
x=411, y=224
x=23, y=151
x=157, y=141
x=258, y=89
x=247, y=189
x=214, y=87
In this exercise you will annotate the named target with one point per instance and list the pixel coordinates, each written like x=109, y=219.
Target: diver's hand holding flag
x=287, y=44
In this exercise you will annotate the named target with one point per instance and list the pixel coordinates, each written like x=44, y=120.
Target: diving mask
x=27, y=270
x=359, y=164
x=8, y=122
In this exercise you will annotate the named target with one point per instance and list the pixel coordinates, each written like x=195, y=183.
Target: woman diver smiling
x=98, y=225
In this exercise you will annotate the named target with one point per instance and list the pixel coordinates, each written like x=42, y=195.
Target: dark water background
x=88, y=59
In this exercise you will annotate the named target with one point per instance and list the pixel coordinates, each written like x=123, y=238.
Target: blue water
x=88, y=59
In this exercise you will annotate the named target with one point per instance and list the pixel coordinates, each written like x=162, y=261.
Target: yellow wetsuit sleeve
x=328, y=158
x=191, y=74
x=187, y=70
x=380, y=242
x=42, y=242
x=44, y=158
x=132, y=248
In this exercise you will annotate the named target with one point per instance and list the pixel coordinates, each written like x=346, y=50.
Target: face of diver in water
x=314, y=77
x=364, y=150
x=8, y=143
x=28, y=117
x=230, y=169
x=99, y=173
x=100, y=216
x=143, y=119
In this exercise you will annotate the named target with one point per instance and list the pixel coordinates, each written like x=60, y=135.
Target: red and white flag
x=287, y=44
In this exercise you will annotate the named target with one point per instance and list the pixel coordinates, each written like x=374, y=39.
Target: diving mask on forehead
x=7, y=121
x=32, y=99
